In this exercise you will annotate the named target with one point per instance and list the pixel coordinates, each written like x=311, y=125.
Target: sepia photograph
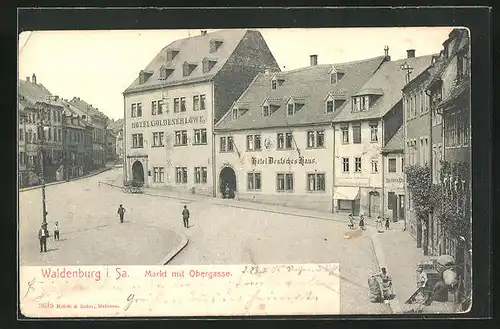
x=330, y=168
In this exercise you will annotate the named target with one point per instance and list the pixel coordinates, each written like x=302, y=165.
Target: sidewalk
x=397, y=250
x=90, y=174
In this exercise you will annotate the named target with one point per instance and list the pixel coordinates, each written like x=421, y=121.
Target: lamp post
x=45, y=130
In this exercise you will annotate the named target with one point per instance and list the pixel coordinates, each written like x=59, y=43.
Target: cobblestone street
x=219, y=234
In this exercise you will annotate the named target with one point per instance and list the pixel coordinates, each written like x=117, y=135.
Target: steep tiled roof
x=396, y=143
x=86, y=108
x=34, y=93
x=391, y=79
x=310, y=86
x=191, y=50
x=460, y=89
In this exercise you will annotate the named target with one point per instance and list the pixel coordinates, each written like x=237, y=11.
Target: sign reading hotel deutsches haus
x=283, y=161
x=169, y=122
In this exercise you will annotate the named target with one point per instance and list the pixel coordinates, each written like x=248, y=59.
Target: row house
x=39, y=109
x=438, y=134
x=275, y=144
x=110, y=145
x=171, y=107
x=373, y=116
x=99, y=122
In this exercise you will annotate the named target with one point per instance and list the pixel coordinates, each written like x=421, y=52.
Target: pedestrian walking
x=43, y=234
x=351, y=221
x=185, y=217
x=121, y=212
x=56, y=231
x=379, y=223
x=387, y=223
x=362, y=222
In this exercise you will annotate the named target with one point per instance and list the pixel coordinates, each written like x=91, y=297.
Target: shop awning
x=346, y=193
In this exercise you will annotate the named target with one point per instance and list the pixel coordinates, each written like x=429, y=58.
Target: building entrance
x=138, y=172
x=227, y=177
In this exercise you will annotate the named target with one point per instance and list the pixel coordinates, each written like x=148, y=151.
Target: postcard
x=238, y=172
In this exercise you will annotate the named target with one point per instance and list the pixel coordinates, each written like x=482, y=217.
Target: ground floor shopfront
x=358, y=200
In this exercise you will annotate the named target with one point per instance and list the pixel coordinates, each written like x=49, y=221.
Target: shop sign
x=283, y=161
x=169, y=122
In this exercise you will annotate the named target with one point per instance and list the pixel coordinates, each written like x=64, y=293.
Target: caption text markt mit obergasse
x=119, y=273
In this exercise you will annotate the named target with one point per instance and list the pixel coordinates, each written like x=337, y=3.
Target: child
x=56, y=231
x=387, y=223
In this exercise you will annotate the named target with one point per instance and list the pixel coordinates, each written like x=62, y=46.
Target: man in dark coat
x=185, y=217
x=121, y=212
x=43, y=234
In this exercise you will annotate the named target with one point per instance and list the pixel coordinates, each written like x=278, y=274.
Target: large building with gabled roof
x=275, y=143
x=171, y=107
x=363, y=127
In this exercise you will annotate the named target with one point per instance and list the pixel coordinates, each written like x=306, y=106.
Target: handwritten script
x=216, y=290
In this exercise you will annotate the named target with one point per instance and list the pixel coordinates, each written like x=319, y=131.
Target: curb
x=174, y=252
x=380, y=259
x=63, y=181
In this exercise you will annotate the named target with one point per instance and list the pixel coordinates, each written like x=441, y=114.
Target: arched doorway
x=374, y=207
x=227, y=176
x=138, y=172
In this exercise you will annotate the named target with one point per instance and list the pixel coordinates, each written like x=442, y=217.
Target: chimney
x=410, y=53
x=203, y=32
x=56, y=98
x=28, y=79
x=314, y=60
x=33, y=78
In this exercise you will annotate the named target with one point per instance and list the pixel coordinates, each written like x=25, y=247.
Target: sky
x=98, y=66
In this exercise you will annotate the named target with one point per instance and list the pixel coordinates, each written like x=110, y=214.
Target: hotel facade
x=275, y=145
x=171, y=107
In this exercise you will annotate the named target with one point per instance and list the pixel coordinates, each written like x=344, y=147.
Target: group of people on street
x=380, y=285
x=44, y=234
x=361, y=224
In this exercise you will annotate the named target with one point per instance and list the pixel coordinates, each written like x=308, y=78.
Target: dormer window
x=274, y=84
x=290, y=109
x=215, y=45
x=171, y=53
x=165, y=72
x=276, y=81
x=144, y=76
x=188, y=68
x=333, y=103
x=235, y=114
x=335, y=75
x=266, y=111
x=208, y=64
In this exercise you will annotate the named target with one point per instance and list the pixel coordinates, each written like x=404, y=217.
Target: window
x=196, y=103
x=402, y=164
x=355, y=105
x=137, y=140
x=345, y=164
x=153, y=107
x=329, y=107
x=333, y=78
x=200, y=136
x=235, y=113
x=392, y=165
x=254, y=181
x=363, y=103
x=356, y=133
x=22, y=158
x=180, y=137
x=177, y=105
x=274, y=84
x=426, y=150
x=357, y=164
x=374, y=132
x=200, y=175
x=203, y=102
x=265, y=111
x=315, y=139
x=158, y=174
x=181, y=175
x=281, y=141
x=291, y=109
x=288, y=140
x=345, y=133
x=374, y=166
x=21, y=135
x=160, y=106
x=253, y=143
x=158, y=138
x=316, y=182
x=133, y=110
x=183, y=104
x=284, y=182
x=139, y=109
x=226, y=144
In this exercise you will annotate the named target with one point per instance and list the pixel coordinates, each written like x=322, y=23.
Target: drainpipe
x=382, y=167
x=214, y=167
x=124, y=139
x=431, y=214
x=405, y=152
x=333, y=169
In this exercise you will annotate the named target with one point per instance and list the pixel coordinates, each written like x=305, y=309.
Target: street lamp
x=42, y=160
